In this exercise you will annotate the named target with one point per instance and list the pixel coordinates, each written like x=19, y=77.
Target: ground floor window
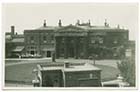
x=48, y=53
x=32, y=52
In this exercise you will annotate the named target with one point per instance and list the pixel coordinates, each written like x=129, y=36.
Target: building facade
x=81, y=40
x=14, y=44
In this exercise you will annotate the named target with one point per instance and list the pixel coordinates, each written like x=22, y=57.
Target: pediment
x=70, y=28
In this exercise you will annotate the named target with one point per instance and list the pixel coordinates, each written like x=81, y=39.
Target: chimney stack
x=118, y=26
x=89, y=22
x=78, y=22
x=105, y=22
x=44, y=24
x=59, y=23
x=12, y=30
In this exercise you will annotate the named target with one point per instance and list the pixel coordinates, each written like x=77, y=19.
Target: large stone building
x=81, y=40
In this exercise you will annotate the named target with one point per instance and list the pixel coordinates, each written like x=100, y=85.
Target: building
x=67, y=75
x=81, y=40
x=14, y=44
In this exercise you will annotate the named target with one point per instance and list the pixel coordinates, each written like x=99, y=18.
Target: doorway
x=32, y=52
x=48, y=53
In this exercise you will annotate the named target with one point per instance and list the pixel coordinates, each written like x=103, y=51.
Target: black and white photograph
x=70, y=45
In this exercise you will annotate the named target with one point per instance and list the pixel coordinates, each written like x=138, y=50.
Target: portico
x=72, y=43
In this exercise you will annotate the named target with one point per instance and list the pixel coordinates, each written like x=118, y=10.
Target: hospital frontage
x=79, y=40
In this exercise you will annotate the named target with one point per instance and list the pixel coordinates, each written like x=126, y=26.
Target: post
x=53, y=57
x=65, y=48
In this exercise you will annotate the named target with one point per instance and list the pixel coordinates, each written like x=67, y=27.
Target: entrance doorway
x=71, y=51
x=48, y=53
x=32, y=52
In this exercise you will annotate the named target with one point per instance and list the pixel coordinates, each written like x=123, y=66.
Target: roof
x=19, y=36
x=52, y=68
x=8, y=36
x=8, y=33
x=86, y=67
x=76, y=28
x=70, y=28
x=21, y=40
x=46, y=28
x=18, y=49
x=72, y=68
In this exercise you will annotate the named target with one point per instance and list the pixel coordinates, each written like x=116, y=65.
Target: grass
x=23, y=72
x=108, y=72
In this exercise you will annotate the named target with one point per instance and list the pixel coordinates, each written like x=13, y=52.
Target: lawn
x=23, y=72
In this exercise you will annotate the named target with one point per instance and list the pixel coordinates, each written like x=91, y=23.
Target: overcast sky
x=31, y=16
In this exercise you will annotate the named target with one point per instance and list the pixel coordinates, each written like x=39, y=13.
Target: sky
x=31, y=15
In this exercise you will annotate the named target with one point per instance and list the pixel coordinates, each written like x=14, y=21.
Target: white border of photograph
x=103, y=89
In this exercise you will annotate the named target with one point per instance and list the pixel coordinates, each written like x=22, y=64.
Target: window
x=101, y=41
x=48, y=53
x=90, y=75
x=32, y=39
x=44, y=39
x=115, y=42
x=63, y=40
x=92, y=41
x=32, y=47
x=32, y=52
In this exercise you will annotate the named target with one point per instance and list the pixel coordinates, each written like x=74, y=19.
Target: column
x=85, y=47
x=65, y=48
x=76, y=47
x=57, y=47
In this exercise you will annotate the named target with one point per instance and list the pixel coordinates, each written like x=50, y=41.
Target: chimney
x=66, y=64
x=78, y=22
x=59, y=23
x=89, y=22
x=44, y=24
x=105, y=23
x=118, y=26
x=12, y=30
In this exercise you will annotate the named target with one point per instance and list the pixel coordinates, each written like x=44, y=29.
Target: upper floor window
x=32, y=39
x=101, y=41
x=115, y=41
x=63, y=40
x=92, y=41
x=44, y=39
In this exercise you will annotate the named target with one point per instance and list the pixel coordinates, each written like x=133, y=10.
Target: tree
x=127, y=70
